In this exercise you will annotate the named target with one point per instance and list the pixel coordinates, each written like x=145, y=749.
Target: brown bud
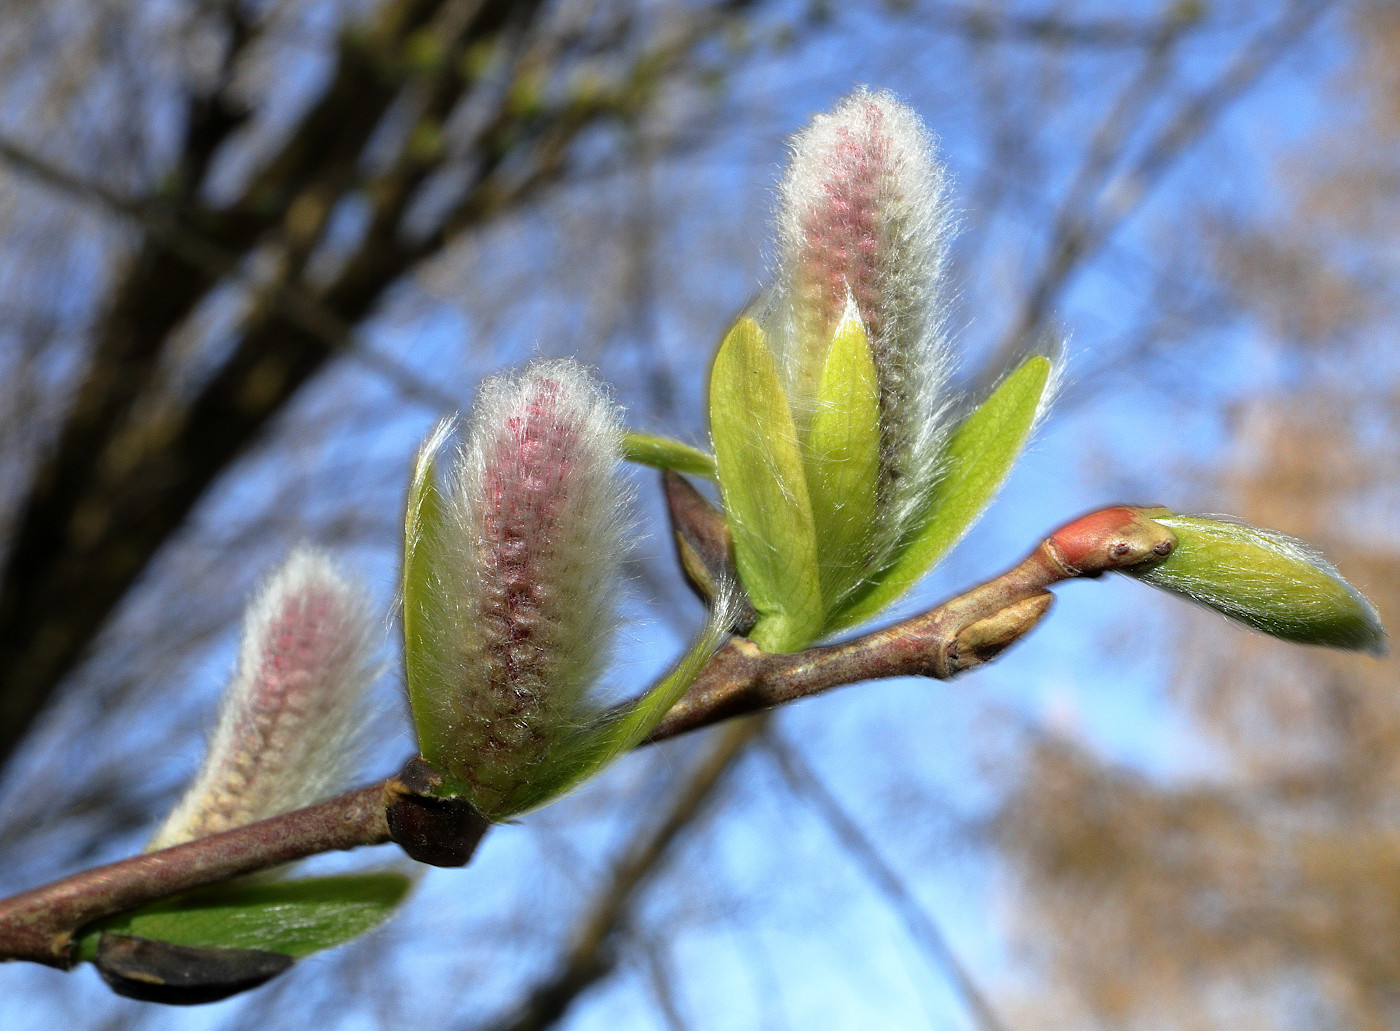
x=704, y=546
x=182, y=975
x=433, y=830
x=985, y=639
x=1111, y=538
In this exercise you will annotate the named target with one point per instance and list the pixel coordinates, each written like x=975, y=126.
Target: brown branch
x=980, y=25
x=40, y=924
x=921, y=927
x=960, y=634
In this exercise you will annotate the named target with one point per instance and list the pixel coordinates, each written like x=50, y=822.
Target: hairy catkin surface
x=864, y=216
x=535, y=530
x=285, y=730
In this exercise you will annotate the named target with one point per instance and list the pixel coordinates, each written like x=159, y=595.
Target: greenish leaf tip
x=293, y=917
x=664, y=453
x=1267, y=581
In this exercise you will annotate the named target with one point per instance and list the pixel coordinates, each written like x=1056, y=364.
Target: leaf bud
x=1264, y=580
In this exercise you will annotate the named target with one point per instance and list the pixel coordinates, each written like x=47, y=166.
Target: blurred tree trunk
x=129, y=464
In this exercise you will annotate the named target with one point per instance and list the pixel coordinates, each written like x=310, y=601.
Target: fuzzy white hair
x=284, y=737
x=527, y=572
x=1268, y=581
x=864, y=215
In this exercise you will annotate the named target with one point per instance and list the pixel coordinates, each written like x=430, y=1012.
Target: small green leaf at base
x=843, y=459
x=426, y=590
x=979, y=457
x=1266, y=581
x=293, y=918
x=764, y=484
x=665, y=453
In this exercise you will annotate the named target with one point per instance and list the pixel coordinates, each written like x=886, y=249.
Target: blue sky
x=765, y=921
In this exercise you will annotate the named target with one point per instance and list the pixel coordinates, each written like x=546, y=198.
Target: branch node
x=428, y=827
x=985, y=639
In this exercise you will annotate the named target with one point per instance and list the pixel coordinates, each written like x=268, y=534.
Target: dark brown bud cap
x=430, y=828
x=182, y=975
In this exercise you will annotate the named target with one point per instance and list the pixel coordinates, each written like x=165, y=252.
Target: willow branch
x=958, y=635
x=40, y=925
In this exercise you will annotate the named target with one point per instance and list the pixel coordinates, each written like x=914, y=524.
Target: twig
x=981, y=25
x=592, y=955
x=40, y=925
x=804, y=781
x=655, y=954
x=956, y=636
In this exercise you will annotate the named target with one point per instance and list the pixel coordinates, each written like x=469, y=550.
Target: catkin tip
x=284, y=736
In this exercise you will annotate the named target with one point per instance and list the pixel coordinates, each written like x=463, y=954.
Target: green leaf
x=764, y=485
x=1266, y=581
x=294, y=918
x=664, y=453
x=979, y=457
x=843, y=460
x=424, y=592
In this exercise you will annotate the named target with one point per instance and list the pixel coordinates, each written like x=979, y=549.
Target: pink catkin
x=539, y=525
x=842, y=252
x=527, y=484
x=863, y=220
x=284, y=732
x=306, y=643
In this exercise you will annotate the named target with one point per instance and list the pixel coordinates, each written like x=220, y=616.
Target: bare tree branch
x=119, y=482
x=922, y=928
x=1045, y=30
x=1098, y=204
x=593, y=952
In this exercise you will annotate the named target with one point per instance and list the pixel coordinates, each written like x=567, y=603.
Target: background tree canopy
x=250, y=252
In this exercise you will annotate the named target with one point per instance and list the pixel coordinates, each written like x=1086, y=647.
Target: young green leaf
x=979, y=456
x=764, y=485
x=1266, y=581
x=664, y=453
x=428, y=585
x=294, y=918
x=843, y=459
